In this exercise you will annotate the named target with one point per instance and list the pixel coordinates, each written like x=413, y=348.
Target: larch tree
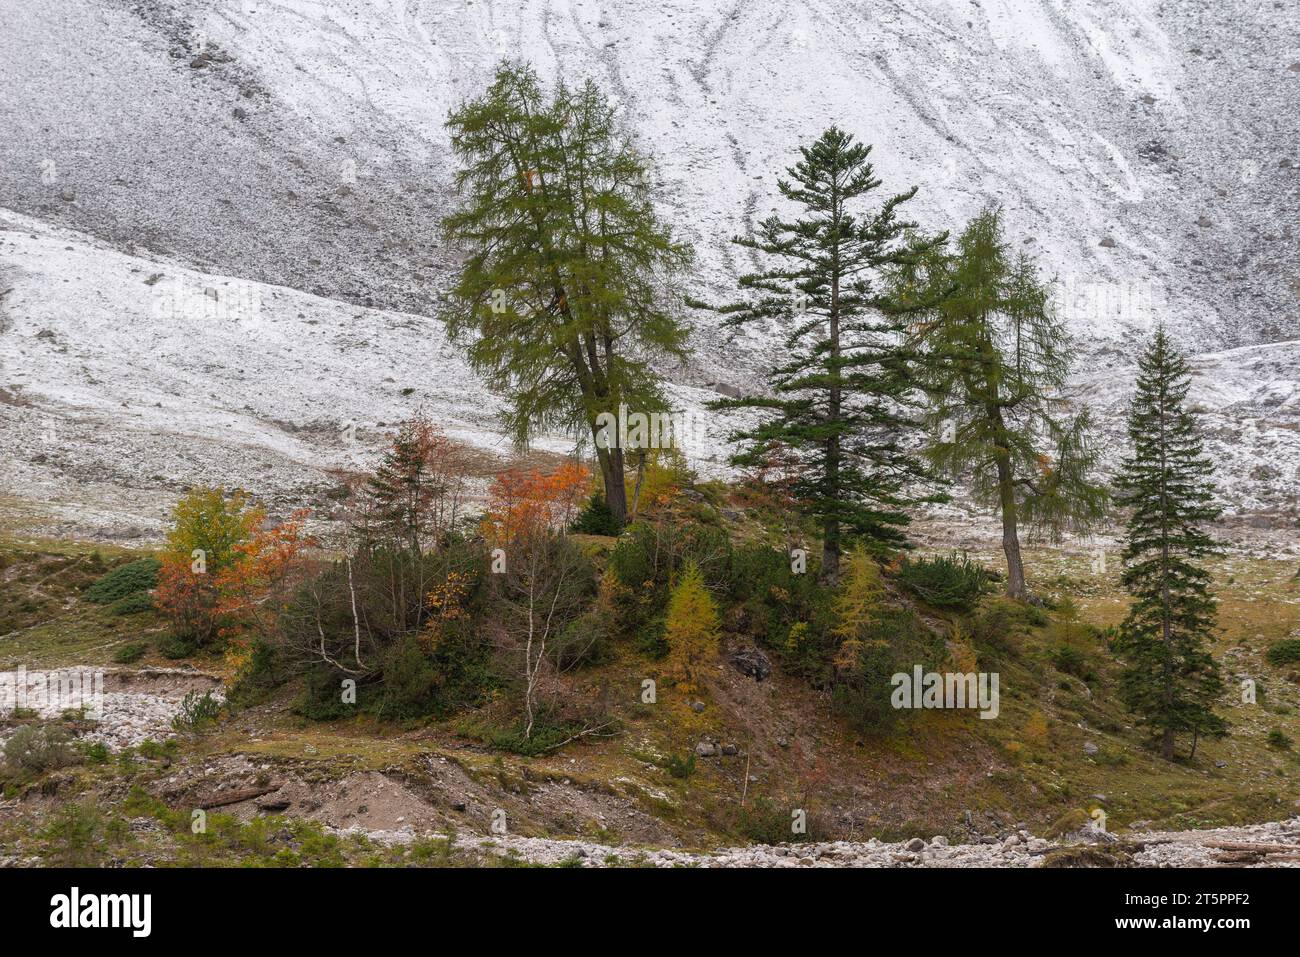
x=567, y=293
x=843, y=401
x=692, y=628
x=997, y=358
x=1170, y=680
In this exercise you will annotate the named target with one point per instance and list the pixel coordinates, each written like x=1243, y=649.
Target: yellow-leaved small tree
x=692, y=629
x=857, y=607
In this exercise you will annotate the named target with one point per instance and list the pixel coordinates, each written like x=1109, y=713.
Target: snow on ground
x=1248, y=406
x=223, y=258
x=1144, y=151
x=125, y=380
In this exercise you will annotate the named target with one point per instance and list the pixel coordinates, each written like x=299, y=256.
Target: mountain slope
x=301, y=143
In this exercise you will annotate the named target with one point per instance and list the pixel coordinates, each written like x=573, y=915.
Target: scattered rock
x=752, y=662
x=1090, y=747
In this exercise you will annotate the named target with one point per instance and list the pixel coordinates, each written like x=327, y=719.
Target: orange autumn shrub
x=523, y=503
x=267, y=568
x=222, y=572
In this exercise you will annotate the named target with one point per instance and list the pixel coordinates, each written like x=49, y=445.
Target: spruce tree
x=1170, y=680
x=843, y=401
x=405, y=490
x=997, y=359
x=566, y=295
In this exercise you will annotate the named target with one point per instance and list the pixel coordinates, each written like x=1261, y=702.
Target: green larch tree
x=997, y=359
x=567, y=293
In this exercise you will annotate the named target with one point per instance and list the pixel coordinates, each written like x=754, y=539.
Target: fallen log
x=1252, y=847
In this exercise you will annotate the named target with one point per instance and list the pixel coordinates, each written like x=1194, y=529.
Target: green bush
x=97, y=753
x=1278, y=739
x=417, y=662
x=996, y=627
x=77, y=833
x=1071, y=661
x=1284, y=652
x=133, y=604
x=322, y=696
x=584, y=642
x=945, y=582
x=197, y=711
x=178, y=646
x=596, y=518
x=549, y=732
x=647, y=556
x=129, y=579
x=895, y=642
x=260, y=677
x=762, y=822
x=413, y=684
x=35, y=748
x=680, y=767
x=786, y=612
x=131, y=652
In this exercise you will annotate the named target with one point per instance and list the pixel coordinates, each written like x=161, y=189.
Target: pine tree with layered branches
x=844, y=399
x=1169, y=680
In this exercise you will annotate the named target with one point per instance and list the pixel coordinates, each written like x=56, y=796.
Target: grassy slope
x=920, y=780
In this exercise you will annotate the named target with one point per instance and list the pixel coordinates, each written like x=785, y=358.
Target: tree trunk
x=1010, y=536
x=830, y=570
x=611, y=473
x=640, y=478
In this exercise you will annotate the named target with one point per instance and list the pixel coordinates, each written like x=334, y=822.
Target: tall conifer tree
x=997, y=359
x=842, y=401
x=1170, y=680
x=566, y=296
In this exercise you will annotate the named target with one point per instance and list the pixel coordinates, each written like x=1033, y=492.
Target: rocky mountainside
x=1144, y=152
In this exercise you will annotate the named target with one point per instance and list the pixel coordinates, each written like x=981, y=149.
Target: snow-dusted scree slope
x=127, y=379
x=1145, y=152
